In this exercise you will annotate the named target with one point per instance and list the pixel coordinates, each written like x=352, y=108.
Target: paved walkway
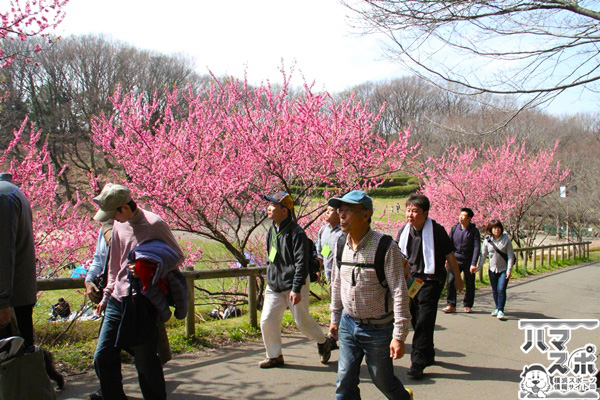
x=478, y=357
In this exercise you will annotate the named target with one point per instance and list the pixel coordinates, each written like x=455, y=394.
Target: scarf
x=428, y=250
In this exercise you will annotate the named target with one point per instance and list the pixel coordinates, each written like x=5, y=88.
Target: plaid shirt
x=365, y=298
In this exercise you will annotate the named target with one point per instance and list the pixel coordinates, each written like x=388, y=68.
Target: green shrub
x=413, y=180
x=398, y=180
x=396, y=191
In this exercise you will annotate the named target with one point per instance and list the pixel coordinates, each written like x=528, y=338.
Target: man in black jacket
x=17, y=259
x=467, y=242
x=287, y=282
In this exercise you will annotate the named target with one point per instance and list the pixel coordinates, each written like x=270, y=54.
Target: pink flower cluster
x=64, y=232
x=501, y=183
x=205, y=162
x=26, y=18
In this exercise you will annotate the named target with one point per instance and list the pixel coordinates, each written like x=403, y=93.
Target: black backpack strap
x=502, y=254
x=379, y=263
x=340, y=248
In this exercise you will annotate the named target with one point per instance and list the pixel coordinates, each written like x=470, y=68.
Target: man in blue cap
x=369, y=301
x=288, y=283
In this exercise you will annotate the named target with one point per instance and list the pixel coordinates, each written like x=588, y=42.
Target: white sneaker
x=501, y=316
x=494, y=313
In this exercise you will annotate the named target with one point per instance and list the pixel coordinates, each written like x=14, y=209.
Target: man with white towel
x=429, y=251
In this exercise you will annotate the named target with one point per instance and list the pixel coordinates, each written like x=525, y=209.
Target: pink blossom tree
x=64, y=232
x=504, y=183
x=23, y=19
x=204, y=161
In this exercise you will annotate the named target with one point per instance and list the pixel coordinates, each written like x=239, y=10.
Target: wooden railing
x=569, y=251
x=190, y=276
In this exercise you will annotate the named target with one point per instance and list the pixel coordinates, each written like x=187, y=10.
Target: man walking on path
x=288, y=282
x=327, y=239
x=369, y=316
x=132, y=226
x=427, y=247
x=467, y=241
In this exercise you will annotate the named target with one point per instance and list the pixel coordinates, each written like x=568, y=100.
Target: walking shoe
x=494, y=313
x=410, y=392
x=501, y=316
x=97, y=395
x=325, y=349
x=271, y=362
x=449, y=309
x=468, y=310
x=334, y=345
x=415, y=372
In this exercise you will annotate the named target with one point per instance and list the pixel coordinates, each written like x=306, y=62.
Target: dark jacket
x=290, y=268
x=468, y=247
x=442, y=247
x=166, y=259
x=17, y=253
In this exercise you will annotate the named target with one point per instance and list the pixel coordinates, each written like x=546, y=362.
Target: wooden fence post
x=588, y=249
x=252, y=300
x=549, y=256
x=190, y=320
x=542, y=258
x=534, y=258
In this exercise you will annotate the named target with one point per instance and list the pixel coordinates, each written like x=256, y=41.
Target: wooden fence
x=569, y=251
x=190, y=276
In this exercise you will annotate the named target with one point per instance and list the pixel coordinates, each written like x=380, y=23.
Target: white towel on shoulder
x=428, y=246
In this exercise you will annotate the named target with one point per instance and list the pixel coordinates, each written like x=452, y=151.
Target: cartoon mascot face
x=535, y=381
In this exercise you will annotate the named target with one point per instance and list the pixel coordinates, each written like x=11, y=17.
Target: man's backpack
x=378, y=264
x=314, y=266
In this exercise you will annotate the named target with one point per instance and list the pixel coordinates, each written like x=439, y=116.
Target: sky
x=236, y=36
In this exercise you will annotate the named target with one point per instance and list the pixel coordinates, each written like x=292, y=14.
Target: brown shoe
x=325, y=349
x=271, y=362
x=449, y=309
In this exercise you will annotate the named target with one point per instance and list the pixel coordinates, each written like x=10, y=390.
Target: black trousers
x=423, y=308
x=24, y=316
x=469, y=299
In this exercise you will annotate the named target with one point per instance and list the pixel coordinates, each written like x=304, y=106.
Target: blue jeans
x=372, y=341
x=499, y=283
x=107, y=360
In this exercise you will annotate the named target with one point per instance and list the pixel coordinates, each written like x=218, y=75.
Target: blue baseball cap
x=353, y=197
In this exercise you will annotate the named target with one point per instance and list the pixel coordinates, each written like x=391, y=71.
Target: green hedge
x=396, y=186
x=397, y=180
x=413, y=180
x=396, y=191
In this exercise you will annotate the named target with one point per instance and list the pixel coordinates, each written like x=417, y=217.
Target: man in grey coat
x=17, y=259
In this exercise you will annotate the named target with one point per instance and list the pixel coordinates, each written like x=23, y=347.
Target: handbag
x=24, y=377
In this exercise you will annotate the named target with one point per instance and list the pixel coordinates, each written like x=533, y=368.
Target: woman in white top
x=498, y=247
